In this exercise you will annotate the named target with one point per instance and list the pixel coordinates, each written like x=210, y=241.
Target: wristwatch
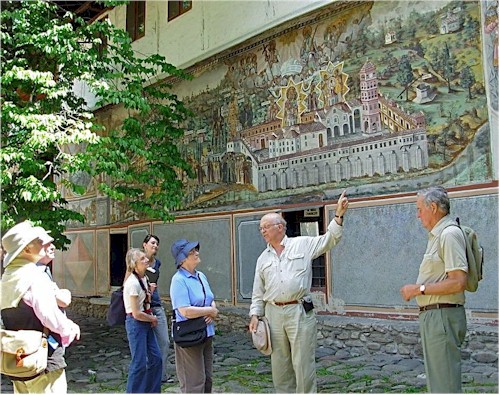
x=422, y=289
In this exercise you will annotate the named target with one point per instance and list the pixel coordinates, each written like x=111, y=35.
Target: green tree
x=471, y=29
x=430, y=24
x=405, y=74
x=50, y=137
x=448, y=64
x=467, y=79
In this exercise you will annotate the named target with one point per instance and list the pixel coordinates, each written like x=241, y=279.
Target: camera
x=308, y=304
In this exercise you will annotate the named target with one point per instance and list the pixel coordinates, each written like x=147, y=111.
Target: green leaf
x=51, y=143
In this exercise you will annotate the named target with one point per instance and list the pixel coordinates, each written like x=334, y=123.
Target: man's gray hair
x=437, y=195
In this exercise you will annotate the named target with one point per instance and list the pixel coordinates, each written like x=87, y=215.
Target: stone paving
x=98, y=363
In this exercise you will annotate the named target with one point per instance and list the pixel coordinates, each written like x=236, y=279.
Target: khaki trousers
x=442, y=332
x=293, y=339
x=194, y=367
x=50, y=383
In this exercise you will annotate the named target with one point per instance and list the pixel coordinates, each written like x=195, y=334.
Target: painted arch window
x=177, y=8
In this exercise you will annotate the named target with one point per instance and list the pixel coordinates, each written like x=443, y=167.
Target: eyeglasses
x=266, y=227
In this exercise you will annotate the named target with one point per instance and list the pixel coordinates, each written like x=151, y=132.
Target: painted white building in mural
x=346, y=140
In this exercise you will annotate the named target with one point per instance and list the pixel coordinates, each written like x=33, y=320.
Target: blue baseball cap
x=180, y=250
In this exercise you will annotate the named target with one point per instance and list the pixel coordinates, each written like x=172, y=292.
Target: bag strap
x=148, y=295
x=203, y=287
x=440, y=246
x=204, y=296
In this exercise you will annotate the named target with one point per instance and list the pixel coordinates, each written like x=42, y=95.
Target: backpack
x=116, y=311
x=475, y=257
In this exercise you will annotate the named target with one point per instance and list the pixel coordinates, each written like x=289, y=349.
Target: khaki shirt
x=446, y=251
x=289, y=276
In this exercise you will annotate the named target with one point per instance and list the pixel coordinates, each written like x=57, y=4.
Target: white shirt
x=289, y=276
x=133, y=288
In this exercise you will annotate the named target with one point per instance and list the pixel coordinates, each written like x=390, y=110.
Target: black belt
x=286, y=303
x=439, y=306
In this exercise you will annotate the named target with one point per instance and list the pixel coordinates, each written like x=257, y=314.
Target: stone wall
x=347, y=336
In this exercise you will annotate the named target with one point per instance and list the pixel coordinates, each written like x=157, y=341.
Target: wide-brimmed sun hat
x=261, y=338
x=180, y=250
x=18, y=237
x=44, y=235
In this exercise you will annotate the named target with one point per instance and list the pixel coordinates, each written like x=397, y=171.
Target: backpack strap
x=440, y=249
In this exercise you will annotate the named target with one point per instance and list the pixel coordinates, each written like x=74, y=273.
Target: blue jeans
x=144, y=375
x=161, y=332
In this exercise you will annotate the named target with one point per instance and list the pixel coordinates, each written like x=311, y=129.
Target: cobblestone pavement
x=98, y=363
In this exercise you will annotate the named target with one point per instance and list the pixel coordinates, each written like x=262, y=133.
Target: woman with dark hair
x=192, y=298
x=144, y=374
x=151, y=245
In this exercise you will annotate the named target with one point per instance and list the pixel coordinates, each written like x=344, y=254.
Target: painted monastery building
x=356, y=138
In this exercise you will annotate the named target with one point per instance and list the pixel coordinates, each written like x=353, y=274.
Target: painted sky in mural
x=354, y=96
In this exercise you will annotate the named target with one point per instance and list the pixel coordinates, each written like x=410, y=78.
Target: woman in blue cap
x=192, y=298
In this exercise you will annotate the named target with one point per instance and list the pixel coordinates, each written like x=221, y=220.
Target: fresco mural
x=373, y=96
x=490, y=18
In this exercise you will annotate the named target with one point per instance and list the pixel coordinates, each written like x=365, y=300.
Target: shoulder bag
x=190, y=332
x=24, y=353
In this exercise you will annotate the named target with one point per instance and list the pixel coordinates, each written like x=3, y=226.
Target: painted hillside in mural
x=373, y=97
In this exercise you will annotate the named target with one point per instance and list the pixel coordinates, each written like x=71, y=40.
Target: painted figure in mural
x=269, y=52
x=246, y=114
x=247, y=171
x=273, y=109
x=151, y=245
x=325, y=88
x=144, y=373
x=217, y=170
x=281, y=292
x=192, y=298
x=439, y=292
x=291, y=107
x=63, y=296
x=339, y=85
x=307, y=43
x=312, y=101
x=28, y=301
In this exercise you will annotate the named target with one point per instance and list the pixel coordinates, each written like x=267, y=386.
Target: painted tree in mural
x=467, y=79
x=405, y=74
x=50, y=138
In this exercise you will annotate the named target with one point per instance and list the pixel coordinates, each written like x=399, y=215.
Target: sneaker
x=168, y=380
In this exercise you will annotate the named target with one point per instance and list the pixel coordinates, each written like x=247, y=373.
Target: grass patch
x=323, y=372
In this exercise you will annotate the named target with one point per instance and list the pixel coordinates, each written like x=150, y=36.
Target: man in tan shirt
x=439, y=292
x=282, y=282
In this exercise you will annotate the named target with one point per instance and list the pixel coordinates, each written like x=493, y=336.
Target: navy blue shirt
x=155, y=298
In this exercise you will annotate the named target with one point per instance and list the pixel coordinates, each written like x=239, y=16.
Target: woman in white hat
x=28, y=302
